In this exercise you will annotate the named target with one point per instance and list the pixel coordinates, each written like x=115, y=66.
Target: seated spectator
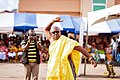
x=94, y=52
x=12, y=52
x=3, y=52
x=12, y=35
x=108, y=51
x=6, y=40
x=101, y=54
x=19, y=53
x=103, y=42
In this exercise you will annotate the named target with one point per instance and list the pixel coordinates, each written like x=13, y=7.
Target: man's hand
x=29, y=38
x=57, y=20
x=36, y=38
x=92, y=61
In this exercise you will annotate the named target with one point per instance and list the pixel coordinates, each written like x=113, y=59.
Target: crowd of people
x=11, y=51
x=102, y=48
x=10, y=48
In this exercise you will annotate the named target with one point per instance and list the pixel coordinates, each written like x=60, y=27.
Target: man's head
x=31, y=34
x=11, y=43
x=114, y=38
x=56, y=33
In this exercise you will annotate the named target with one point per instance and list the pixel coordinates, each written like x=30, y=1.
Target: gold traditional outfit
x=58, y=65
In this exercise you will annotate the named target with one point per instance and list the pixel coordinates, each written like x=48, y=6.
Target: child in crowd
x=101, y=53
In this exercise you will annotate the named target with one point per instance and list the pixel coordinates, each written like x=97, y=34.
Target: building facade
x=64, y=7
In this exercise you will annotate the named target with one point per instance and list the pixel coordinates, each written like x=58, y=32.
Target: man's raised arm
x=48, y=28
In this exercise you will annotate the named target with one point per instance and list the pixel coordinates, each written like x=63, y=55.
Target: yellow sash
x=58, y=64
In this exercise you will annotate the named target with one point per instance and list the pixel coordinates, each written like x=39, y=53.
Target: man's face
x=32, y=34
x=11, y=42
x=55, y=33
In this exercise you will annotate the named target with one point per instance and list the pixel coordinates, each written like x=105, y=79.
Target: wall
x=86, y=7
x=71, y=7
x=110, y=3
x=65, y=7
x=117, y=1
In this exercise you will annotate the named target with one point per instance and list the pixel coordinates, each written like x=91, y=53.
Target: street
x=15, y=71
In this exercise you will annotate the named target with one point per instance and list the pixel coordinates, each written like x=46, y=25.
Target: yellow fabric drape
x=58, y=64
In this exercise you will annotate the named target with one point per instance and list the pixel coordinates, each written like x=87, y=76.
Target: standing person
x=110, y=63
x=109, y=59
x=114, y=44
x=64, y=54
x=118, y=53
x=31, y=59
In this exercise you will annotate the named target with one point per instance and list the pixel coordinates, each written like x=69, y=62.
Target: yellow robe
x=58, y=64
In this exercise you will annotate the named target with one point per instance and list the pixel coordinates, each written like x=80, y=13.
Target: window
x=98, y=4
x=99, y=1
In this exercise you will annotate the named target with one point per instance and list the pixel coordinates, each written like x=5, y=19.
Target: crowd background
x=104, y=47
x=11, y=51
x=100, y=48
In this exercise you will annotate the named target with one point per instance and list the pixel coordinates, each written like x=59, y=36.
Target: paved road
x=15, y=71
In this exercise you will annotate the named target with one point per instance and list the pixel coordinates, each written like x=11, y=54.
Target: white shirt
x=114, y=44
x=12, y=35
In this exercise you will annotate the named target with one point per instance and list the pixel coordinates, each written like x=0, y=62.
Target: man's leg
x=73, y=68
x=113, y=54
x=35, y=71
x=115, y=63
x=28, y=71
x=108, y=69
x=112, y=69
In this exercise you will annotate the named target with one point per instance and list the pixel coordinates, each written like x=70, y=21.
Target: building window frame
x=98, y=4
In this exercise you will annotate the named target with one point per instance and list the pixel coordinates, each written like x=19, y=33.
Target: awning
x=24, y=21
x=44, y=19
x=110, y=26
x=79, y=22
x=103, y=13
x=8, y=5
x=17, y=22
x=103, y=21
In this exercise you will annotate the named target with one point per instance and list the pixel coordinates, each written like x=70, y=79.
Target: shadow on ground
x=97, y=76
